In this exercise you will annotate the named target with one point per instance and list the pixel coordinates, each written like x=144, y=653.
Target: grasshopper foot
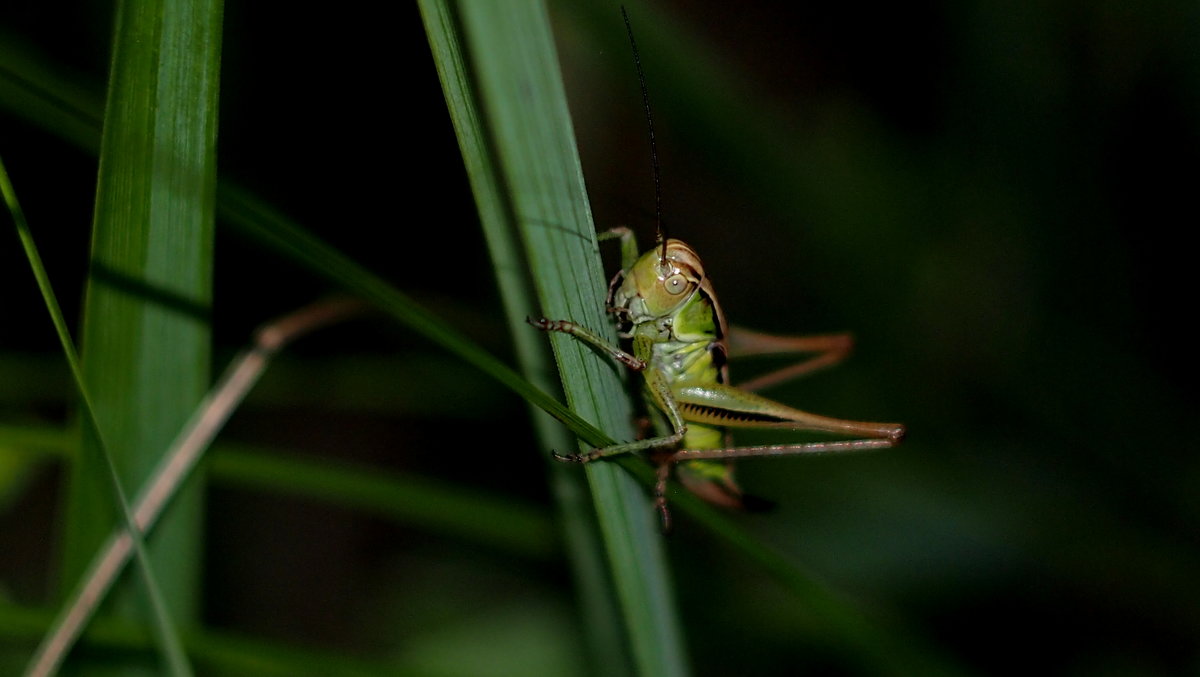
x=664, y=515
x=552, y=325
x=569, y=458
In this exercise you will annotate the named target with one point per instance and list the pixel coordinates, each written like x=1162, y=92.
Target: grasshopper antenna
x=661, y=231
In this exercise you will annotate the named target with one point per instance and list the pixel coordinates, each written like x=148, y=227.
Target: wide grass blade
x=608, y=652
x=515, y=73
x=145, y=331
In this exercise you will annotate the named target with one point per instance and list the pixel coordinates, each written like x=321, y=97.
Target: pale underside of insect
x=680, y=344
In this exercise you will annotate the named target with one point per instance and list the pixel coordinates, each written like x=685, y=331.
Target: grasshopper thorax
x=654, y=288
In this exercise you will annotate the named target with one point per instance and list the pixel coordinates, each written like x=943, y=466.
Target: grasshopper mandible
x=666, y=307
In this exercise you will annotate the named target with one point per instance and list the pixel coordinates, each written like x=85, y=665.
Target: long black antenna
x=661, y=232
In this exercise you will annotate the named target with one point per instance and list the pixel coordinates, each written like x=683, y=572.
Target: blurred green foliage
x=992, y=196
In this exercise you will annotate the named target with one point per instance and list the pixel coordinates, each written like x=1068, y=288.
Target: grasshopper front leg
x=655, y=381
x=629, y=250
x=572, y=329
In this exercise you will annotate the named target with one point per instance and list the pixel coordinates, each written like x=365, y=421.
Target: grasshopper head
x=653, y=289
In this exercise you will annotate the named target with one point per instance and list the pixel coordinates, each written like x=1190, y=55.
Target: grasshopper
x=666, y=307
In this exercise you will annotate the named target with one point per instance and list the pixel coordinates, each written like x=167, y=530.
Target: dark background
x=995, y=197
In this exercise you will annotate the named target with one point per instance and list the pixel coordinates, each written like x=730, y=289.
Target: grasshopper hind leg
x=822, y=350
x=714, y=484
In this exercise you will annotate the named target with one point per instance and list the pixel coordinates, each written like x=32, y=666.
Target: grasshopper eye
x=675, y=285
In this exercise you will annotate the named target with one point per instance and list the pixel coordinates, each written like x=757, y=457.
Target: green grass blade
x=436, y=506
x=425, y=503
x=513, y=58
x=145, y=331
x=47, y=658
x=35, y=91
x=256, y=219
x=608, y=652
x=216, y=652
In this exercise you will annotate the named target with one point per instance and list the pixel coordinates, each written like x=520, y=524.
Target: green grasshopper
x=666, y=307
